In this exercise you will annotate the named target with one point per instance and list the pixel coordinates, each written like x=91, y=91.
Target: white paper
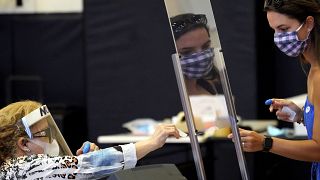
x=209, y=107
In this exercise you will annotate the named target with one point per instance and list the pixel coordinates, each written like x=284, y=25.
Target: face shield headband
x=52, y=132
x=32, y=118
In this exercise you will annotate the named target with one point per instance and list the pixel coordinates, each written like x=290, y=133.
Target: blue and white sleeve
x=92, y=165
x=108, y=160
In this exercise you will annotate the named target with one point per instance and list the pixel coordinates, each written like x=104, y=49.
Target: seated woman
x=32, y=147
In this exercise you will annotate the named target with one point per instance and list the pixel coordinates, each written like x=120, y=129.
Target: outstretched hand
x=157, y=140
x=162, y=132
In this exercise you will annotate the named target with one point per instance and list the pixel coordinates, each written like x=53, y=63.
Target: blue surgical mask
x=289, y=43
x=197, y=65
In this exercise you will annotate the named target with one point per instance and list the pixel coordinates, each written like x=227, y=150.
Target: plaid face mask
x=197, y=65
x=289, y=43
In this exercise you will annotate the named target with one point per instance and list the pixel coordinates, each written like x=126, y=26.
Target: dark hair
x=300, y=10
x=184, y=23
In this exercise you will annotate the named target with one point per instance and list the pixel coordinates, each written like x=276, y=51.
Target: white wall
x=41, y=6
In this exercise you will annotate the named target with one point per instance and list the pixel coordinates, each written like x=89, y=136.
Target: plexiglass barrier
x=202, y=77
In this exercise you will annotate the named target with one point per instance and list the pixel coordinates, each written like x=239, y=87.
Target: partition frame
x=219, y=63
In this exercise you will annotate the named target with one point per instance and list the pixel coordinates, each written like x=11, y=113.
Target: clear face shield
x=44, y=132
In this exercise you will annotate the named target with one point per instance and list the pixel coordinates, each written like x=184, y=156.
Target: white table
x=129, y=138
x=256, y=125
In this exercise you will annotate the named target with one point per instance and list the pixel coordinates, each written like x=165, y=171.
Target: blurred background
x=98, y=64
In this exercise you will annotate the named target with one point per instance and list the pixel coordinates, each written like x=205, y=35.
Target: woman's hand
x=157, y=140
x=162, y=132
x=278, y=104
x=87, y=147
x=251, y=141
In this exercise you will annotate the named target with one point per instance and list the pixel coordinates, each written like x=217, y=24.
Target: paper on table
x=182, y=134
x=209, y=108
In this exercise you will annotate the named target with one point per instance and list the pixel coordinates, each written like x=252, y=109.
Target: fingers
x=93, y=147
x=244, y=133
x=162, y=132
x=281, y=102
x=79, y=151
x=278, y=104
x=173, y=131
x=240, y=130
x=87, y=147
x=168, y=130
x=271, y=108
x=251, y=141
x=282, y=115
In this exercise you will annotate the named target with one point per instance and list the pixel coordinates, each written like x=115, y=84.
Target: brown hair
x=183, y=23
x=300, y=10
x=9, y=132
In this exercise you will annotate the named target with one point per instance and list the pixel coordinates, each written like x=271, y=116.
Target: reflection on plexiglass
x=202, y=77
x=196, y=38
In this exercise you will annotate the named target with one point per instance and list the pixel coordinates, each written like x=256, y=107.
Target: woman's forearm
x=144, y=147
x=304, y=150
x=157, y=140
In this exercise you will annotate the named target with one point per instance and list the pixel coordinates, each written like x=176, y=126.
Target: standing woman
x=297, y=33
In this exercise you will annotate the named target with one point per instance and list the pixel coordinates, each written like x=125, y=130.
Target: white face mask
x=51, y=149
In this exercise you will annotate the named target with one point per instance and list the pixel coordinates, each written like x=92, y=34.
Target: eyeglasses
x=189, y=21
x=273, y=3
x=44, y=133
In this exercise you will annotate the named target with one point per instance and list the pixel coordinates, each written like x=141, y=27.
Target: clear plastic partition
x=202, y=77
